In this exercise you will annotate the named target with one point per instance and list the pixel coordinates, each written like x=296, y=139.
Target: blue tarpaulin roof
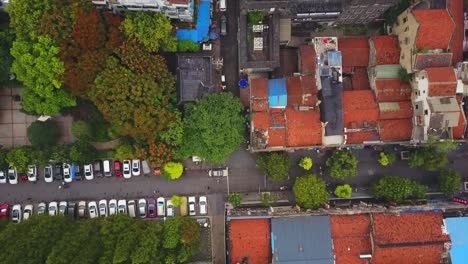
x=278, y=95
x=203, y=24
x=458, y=230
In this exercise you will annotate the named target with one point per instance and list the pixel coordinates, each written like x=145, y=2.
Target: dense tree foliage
x=6, y=60
x=397, y=189
x=310, y=192
x=3, y=156
x=81, y=130
x=124, y=151
x=186, y=45
x=235, y=199
x=342, y=164
x=306, y=163
x=428, y=158
x=213, y=128
x=344, y=191
x=43, y=134
x=82, y=152
x=449, y=181
x=18, y=158
x=172, y=170
x=276, y=165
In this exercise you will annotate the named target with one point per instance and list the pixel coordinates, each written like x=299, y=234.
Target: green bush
x=43, y=134
x=124, y=151
x=172, y=170
x=268, y=198
x=449, y=181
x=255, y=17
x=306, y=163
x=81, y=130
x=81, y=152
x=344, y=191
x=176, y=200
x=187, y=46
x=276, y=165
x=235, y=199
x=387, y=158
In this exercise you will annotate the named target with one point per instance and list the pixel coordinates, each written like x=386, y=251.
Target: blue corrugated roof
x=203, y=24
x=278, y=95
x=458, y=230
x=305, y=239
x=334, y=58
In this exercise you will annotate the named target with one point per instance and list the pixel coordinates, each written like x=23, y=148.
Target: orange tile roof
x=250, y=238
x=354, y=51
x=308, y=59
x=459, y=131
x=386, y=50
x=392, y=90
x=261, y=120
x=304, y=128
x=442, y=81
x=361, y=137
x=405, y=112
x=456, y=10
x=302, y=90
x=435, y=28
x=259, y=88
x=423, y=254
x=259, y=105
x=395, y=129
x=351, y=237
x=359, y=106
x=360, y=81
x=276, y=137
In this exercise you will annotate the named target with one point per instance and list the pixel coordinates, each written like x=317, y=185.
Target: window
x=406, y=40
x=417, y=107
x=405, y=19
x=445, y=100
x=426, y=112
x=406, y=29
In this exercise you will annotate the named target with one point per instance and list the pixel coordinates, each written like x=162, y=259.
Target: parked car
x=88, y=172
x=53, y=207
x=223, y=82
x=142, y=208
x=77, y=172
x=58, y=176
x=48, y=174
x=220, y=172
x=113, y=207
x=12, y=176
x=191, y=205
x=3, y=178
x=41, y=208
x=16, y=213
x=222, y=5
x=127, y=171
x=106, y=168
x=203, y=205
x=122, y=206
x=28, y=211
x=82, y=210
x=71, y=210
x=97, y=168
x=92, y=209
x=169, y=208
x=103, y=208
x=117, y=168
x=67, y=172
x=161, y=205
x=136, y=168
x=183, y=206
x=131, y=208
x=32, y=173
x=4, y=210
x=63, y=208
x=223, y=25
x=151, y=208
x=22, y=176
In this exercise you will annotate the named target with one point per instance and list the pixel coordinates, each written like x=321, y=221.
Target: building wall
x=422, y=112
x=406, y=28
x=364, y=11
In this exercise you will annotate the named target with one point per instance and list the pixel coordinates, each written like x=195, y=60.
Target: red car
x=4, y=210
x=117, y=168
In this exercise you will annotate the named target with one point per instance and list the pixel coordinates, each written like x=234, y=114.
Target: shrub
x=268, y=198
x=449, y=181
x=172, y=170
x=176, y=200
x=344, y=191
x=306, y=163
x=255, y=17
x=387, y=158
x=186, y=45
x=124, y=151
x=43, y=134
x=276, y=165
x=81, y=152
x=81, y=130
x=310, y=192
x=235, y=199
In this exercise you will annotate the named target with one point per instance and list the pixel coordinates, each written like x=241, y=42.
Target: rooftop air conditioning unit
x=365, y=256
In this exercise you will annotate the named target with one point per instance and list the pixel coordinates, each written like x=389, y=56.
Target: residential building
x=194, y=77
x=458, y=228
x=364, y=11
x=249, y=241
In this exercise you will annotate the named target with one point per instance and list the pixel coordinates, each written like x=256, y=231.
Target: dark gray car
x=97, y=168
x=58, y=174
x=223, y=25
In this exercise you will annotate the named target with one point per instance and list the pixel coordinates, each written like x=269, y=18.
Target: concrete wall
x=406, y=28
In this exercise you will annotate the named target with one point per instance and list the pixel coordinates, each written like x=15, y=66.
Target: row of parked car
x=70, y=172
x=142, y=208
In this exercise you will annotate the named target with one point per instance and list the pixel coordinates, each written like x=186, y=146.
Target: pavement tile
x=30, y=119
x=6, y=130
x=16, y=105
x=6, y=142
x=5, y=91
x=19, y=117
x=20, y=141
x=6, y=117
x=16, y=90
x=19, y=130
x=5, y=102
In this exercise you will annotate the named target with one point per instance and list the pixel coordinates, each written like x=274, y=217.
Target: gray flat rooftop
x=194, y=77
x=331, y=108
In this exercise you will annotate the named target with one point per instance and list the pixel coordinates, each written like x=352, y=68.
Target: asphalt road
x=229, y=47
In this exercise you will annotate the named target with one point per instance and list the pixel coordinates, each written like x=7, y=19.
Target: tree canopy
x=306, y=163
x=6, y=60
x=186, y=45
x=82, y=152
x=428, y=158
x=387, y=158
x=235, y=199
x=310, y=192
x=344, y=191
x=449, y=181
x=276, y=165
x=213, y=128
x=397, y=189
x=43, y=133
x=342, y=164
x=18, y=158
x=172, y=170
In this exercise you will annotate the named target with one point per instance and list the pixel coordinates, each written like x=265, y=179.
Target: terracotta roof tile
x=405, y=111
x=358, y=107
x=304, y=128
x=423, y=60
x=261, y=120
x=456, y=9
x=351, y=237
x=250, y=238
x=276, y=137
x=395, y=129
x=302, y=90
x=386, y=50
x=361, y=137
x=428, y=254
x=354, y=51
x=360, y=81
x=435, y=28
x=259, y=88
x=259, y=105
x=392, y=90
x=442, y=81
x=308, y=59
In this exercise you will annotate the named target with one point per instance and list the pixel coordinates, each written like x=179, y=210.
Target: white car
x=82, y=210
x=92, y=209
x=88, y=172
x=67, y=172
x=16, y=213
x=191, y=205
x=103, y=208
x=203, y=204
x=113, y=207
x=122, y=207
x=48, y=177
x=160, y=204
x=3, y=178
x=41, y=208
x=142, y=208
x=32, y=173
x=62, y=208
x=53, y=208
x=220, y=172
x=136, y=167
x=28, y=211
x=127, y=171
x=169, y=208
x=12, y=176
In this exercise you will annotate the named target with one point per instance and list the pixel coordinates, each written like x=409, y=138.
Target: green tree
x=39, y=156
x=397, y=189
x=387, y=158
x=176, y=200
x=82, y=152
x=449, y=181
x=81, y=130
x=276, y=165
x=6, y=60
x=213, y=128
x=153, y=30
x=306, y=163
x=43, y=134
x=255, y=17
x=171, y=233
x=60, y=153
x=124, y=151
x=427, y=158
x=235, y=199
x=186, y=45
x=18, y=158
x=3, y=158
x=344, y=191
x=148, y=250
x=310, y=192
x=342, y=164
x=172, y=170
x=111, y=230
